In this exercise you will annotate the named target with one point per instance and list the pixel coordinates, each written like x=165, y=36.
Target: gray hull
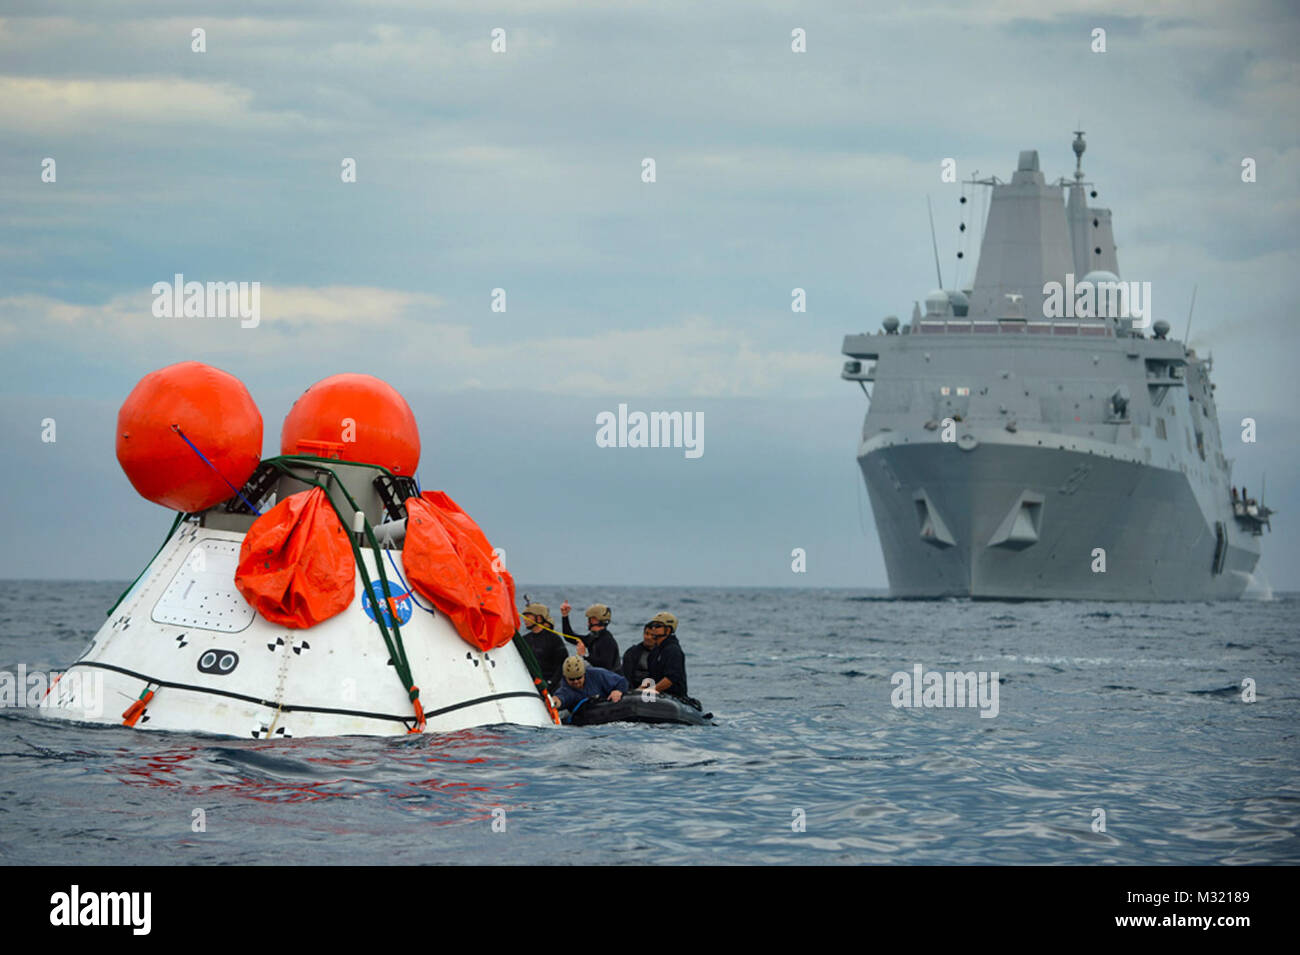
x=1017, y=522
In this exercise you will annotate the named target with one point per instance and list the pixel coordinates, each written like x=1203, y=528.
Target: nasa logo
x=401, y=601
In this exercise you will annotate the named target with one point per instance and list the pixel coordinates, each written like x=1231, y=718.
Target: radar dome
x=959, y=302
x=355, y=418
x=890, y=324
x=1109, y=296
x=1100, y=275
x=1160, y=328
x=936, y=302
x=177, y=417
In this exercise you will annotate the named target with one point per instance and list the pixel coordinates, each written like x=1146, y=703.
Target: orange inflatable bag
x=188, y=436
x=296, y=566
x=449, y=563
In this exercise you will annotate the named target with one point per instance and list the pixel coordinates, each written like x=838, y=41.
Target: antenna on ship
x=1263, y=510
x=933, y=240
x=1188, y=337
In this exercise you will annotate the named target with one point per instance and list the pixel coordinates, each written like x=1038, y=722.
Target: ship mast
x=935, y=242
x=1076, y=212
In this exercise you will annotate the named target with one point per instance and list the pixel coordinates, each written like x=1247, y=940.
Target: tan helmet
x=664, y=617
x=575, y=668
x=602, y=613
x=540, y=610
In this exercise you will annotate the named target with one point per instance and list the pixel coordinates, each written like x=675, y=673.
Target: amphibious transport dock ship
x=1035, y=440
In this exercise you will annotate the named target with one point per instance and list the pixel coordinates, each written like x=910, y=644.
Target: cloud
x=68, y=105
x=695, y=356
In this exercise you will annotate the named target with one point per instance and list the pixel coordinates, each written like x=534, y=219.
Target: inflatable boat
x=633, y=708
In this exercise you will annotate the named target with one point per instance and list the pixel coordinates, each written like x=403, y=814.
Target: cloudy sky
x=521, y=170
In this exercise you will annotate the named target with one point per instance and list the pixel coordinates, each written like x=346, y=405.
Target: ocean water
x=1133, y=709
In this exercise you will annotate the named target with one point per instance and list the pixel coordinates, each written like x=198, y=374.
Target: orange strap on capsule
x=53, y=684
x=546, y=698
x=134, y=711
x=419, y=711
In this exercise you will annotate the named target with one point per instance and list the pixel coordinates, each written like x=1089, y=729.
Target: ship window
x=1040, y=328
x=1160, y=429
x=1065, y=328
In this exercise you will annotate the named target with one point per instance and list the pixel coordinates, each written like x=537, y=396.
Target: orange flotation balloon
x=355, y=418
x=449, y=562
x=214, y=411
x=296, y=566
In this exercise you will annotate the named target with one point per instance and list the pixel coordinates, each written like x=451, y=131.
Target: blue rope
x=409, y=591
x=574, y=712
x=177, y=429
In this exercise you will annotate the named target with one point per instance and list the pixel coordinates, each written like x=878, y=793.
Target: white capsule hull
x=216, y=666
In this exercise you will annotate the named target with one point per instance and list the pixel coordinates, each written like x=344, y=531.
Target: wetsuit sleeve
x=673, y=664
x=564, y=625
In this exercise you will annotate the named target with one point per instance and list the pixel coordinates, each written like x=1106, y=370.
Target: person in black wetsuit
x=636, y=660
x=598, y=646
x=546, y=646
x=658, y=664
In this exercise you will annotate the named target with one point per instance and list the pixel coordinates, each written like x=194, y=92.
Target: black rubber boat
x=633, y=709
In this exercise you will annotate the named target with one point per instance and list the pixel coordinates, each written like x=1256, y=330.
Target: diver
x=657, y=664
x=598, y=646
x=547, y=647
x=582, y=682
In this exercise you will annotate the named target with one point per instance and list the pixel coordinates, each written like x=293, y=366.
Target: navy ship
x=1037, y=436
